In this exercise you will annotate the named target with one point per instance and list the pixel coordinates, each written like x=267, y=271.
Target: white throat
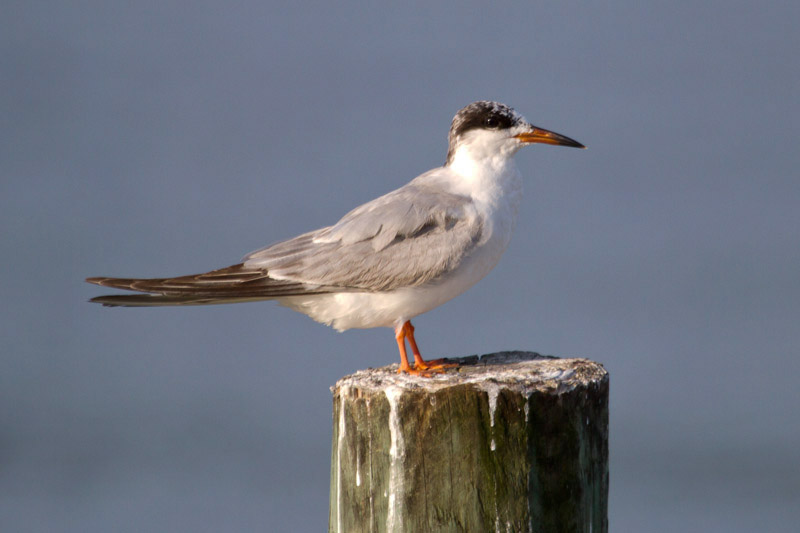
x=487, y=173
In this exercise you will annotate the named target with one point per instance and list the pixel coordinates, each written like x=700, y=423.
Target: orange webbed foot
x=422, y=368
x=419, y=372
x=435, y=365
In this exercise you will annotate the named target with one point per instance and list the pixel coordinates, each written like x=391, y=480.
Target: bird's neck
x=491, y=179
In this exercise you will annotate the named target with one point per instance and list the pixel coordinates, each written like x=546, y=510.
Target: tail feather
x=232, y=284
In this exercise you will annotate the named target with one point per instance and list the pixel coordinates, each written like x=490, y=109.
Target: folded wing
x=406, y=238
x=226, y=285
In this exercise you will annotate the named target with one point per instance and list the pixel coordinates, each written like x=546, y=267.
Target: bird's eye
x=491, y=122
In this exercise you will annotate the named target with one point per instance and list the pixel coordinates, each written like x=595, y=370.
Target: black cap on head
x=481, y=115
x=486, y=115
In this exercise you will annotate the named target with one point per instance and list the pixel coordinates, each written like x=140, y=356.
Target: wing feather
x=403, y=239
x=233, y=283
x=411, y=236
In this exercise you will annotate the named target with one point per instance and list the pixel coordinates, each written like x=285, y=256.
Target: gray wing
x=402, y=239
x=232, y=284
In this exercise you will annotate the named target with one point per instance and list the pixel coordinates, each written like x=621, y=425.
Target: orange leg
x=400, y=335
x=421, y=367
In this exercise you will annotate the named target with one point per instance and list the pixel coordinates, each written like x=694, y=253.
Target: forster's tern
x=390, y=259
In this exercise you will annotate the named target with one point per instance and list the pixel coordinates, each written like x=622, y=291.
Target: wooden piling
x=511, y=442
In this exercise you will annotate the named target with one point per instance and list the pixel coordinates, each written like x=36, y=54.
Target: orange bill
x=539, y=135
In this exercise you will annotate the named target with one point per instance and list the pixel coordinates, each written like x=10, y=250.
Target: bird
x=392, y=258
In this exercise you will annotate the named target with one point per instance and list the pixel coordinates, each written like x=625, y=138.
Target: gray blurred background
x=167, y=138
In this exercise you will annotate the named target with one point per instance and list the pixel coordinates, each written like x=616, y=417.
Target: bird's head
x=491, y=129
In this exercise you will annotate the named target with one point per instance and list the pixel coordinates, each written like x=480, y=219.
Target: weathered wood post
x=512, y=442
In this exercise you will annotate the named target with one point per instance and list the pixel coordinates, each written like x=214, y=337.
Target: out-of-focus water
x=165, y=138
